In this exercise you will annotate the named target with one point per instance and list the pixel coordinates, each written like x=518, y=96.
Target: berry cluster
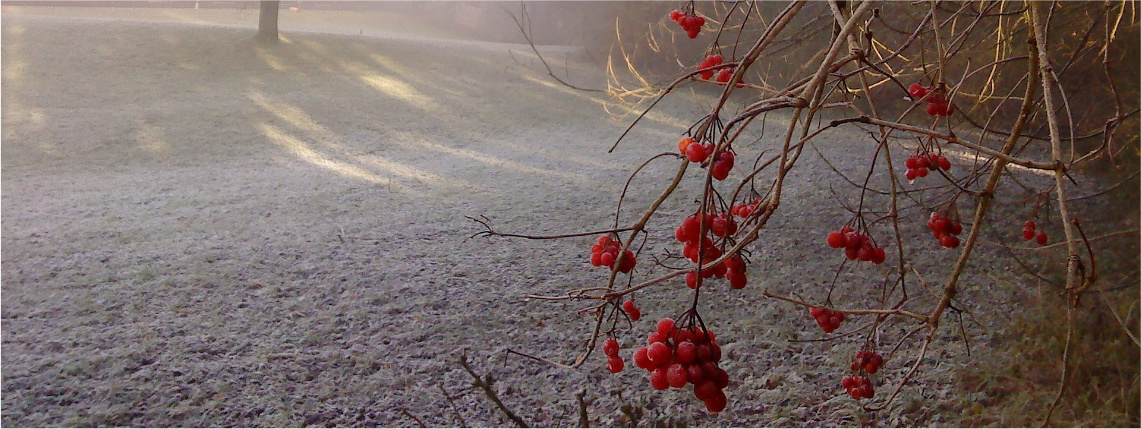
x=919, y=165
x=827, y=319
x=868, y=361
x=690, y=23
x=858, y=387
x=722, y=225
x=614, y=363
x=1029, y=233
x=710, y=61
x=606, y=252
x=856, y=245
x=696, y=152
x=743, y=209
x=724, y=75
x=722, y=163
x=936, y=104
x=678, y=356
x=945, y=229
x=632, y=310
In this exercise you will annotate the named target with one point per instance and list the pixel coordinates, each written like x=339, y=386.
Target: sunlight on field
x=402, y=91
x=413, y=142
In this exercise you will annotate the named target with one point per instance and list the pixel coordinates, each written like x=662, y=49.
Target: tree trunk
x=267, y=22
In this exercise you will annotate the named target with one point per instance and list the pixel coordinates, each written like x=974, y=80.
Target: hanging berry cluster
x=936, y=104
x=694, y=151
x=710, y=61
x=614, y=363
x=860, y=386
x=867, y=361
x=677, y=356
x=690, y=23
x=1028, y=233
x=827, y=319
x=856, y=245
x=744, y=209
x=857, y=386
x=689, y=233
x=945, y=229
x=606, y=252
x=918, y=165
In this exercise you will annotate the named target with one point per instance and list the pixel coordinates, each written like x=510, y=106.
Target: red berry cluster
x=606, y=252
x=945, y=229
x=919, y=165
x=690, y=23
x=856, y=245
x=868, y=361
x=722, y=163
x=696, y=152
x=1029, y=233
x=936, y=104
x=858, y=387
x=827, y=319
x=744, y=209
x=614, y=363
x=724, y=75
x=710, y=61
x=722, y=225
x=632, y=310
x=678, y=356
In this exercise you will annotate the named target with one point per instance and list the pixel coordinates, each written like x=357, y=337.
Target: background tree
x=267, y=22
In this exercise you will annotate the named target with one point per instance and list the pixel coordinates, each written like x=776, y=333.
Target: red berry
x=632, y=310
x=596, y=259
x=917, y=90
x=921, y=172
x=677, y=375
x=695, y=374
x=717, y=403
x=696, y=153
x=683, y=144
x=878, y=255
x=724, y=75
x=686, y=352
x=836, y=240
x=943, y=163
x=615, y=364
x=852, y=252
x=949, y=241
x=1028, y=233
x=658, y=379
x=720, y=170
x=607, y=259
x=704, y=353
x=665, y=326
x=721, y=379
x=642, y=358
x=1029, y=225
x=847, y=382
x=700, y=21
x=871, y=369
x=1042, y=239
x=675, y=14
x=910, y=174
x=628, y=262
x=705, y=390
x=660, y=354
x=933, y=108
x=737, y=280
x=816, y=312
x=655, y=337
x=610, y=347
